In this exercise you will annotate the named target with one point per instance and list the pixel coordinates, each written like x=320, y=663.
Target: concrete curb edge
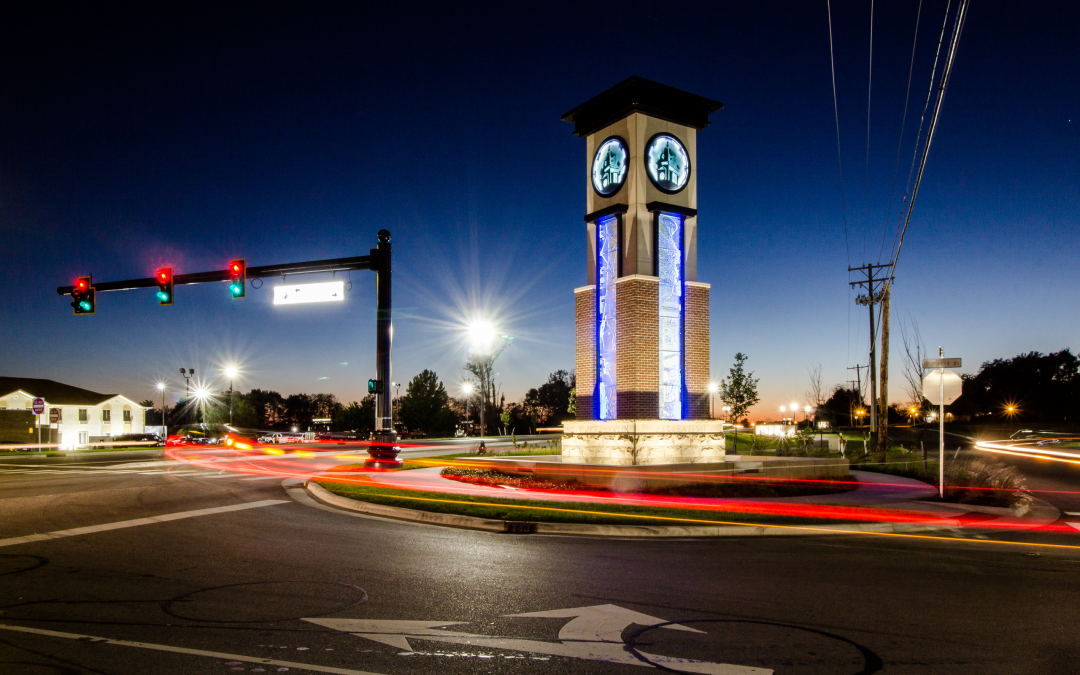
x=627, y=531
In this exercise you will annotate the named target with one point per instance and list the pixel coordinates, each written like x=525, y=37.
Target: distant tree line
x=426, y=406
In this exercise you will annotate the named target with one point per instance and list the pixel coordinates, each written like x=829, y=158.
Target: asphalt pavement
x=143, y=565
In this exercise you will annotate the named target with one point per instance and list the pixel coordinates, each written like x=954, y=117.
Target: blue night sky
x=140, y=137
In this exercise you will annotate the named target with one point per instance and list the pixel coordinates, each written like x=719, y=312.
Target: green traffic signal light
x=85, y=306
x=163, y=296
x=236, y=289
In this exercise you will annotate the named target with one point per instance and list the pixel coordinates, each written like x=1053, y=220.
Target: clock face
x=667, y=163
x=609, y=166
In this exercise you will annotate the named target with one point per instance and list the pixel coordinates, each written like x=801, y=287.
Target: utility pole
x=871, y=298
x=857, y=382
x=883, y=425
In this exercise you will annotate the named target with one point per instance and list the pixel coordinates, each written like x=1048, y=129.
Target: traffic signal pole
x=383, y=453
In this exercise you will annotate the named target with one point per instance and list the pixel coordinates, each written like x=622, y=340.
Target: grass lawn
x=553, y=512
x=62, y=453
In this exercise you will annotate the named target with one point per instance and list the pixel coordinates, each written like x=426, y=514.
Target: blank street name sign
x=941, y=363
x=296, y=294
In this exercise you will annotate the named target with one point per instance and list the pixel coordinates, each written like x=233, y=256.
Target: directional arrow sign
x=931, y=386
x=593, y=633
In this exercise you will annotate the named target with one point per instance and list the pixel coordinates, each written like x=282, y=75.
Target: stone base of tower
x=643, y=442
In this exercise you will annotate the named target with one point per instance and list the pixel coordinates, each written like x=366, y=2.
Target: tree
x=739, y=390
x=426, y=405
x=816, y=395
x=914, y=353
x=551, y=401
x=481, y=365
x=299, y=410
x=356, y=417
x=1031, y=386
x=842, y=405
x=269, y=408
x=152, y=415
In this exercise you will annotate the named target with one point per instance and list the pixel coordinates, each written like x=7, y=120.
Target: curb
x=582, y=529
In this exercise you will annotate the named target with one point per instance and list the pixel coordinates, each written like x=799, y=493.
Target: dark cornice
x=653, y=207
x=636, y=94
x=606, y=211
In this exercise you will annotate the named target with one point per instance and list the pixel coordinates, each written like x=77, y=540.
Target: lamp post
x=230, y=372
x=468, y=389
x=164, y=424
x=783, y=409
x=188, y=374
x=713, y=388
x=482, y=336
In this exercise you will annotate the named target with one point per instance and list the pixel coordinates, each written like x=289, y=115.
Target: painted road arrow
x=593, y=633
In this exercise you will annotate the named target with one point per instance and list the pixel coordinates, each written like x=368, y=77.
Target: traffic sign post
x=39, y=407
x=942, y=387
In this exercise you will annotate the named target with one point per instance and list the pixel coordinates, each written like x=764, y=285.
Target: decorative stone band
x=643, y=442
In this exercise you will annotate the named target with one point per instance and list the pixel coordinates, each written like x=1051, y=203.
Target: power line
x=958, y=27
x=869, y=86
x=836, y=114
x=903, y=127
x=922, y=120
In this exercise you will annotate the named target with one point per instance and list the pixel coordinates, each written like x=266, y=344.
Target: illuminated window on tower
x=607, y=270
x=669, y=249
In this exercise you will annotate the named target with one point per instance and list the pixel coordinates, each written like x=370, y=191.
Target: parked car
x=138, y=438
x=268, y=438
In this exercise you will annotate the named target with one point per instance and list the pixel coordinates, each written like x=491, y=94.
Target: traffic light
x=238, y=278
x=374, y=386
x=82, y=296
x=165, y=285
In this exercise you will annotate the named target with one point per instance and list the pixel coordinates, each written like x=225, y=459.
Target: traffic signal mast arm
x=363, y=262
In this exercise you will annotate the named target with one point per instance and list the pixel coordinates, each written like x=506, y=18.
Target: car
x=138, y=438
x=268, y=438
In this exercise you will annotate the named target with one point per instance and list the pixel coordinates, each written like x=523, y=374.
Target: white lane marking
x=59, y=534
x=261, y=478
x=1076, y=525
x=93, y=639
x=1072, y=513
x=593, y=633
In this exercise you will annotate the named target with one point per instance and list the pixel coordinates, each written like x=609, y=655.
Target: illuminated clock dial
x=667, y=163
x=609, y=166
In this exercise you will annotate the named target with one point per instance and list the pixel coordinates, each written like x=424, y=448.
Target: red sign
x=39, y=406
x=54, y=415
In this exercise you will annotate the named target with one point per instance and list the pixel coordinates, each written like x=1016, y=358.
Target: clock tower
x=643, y=316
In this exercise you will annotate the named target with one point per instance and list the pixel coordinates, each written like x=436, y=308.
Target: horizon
x=283, y=136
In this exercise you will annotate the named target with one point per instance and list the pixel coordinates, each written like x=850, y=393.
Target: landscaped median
x=664, y=517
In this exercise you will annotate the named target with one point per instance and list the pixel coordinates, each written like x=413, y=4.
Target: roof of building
x=56, y=393
x=636, y=94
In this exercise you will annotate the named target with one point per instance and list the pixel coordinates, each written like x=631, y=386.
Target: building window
x=127, y=416
x=83, y=417
x=106, y=415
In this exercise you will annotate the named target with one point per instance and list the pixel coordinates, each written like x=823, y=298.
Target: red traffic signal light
x=164, y=278
x=82, y=296
x=238, y=278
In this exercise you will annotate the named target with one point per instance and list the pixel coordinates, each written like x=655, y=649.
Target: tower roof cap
x=636, y=94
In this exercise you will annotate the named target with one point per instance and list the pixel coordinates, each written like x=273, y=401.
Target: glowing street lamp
x=164, y=424
x=713, y=388
x=483, y=347
x=468, y=389
x=230, y=372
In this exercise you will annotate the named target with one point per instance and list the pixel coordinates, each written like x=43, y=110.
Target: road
x=249, y=575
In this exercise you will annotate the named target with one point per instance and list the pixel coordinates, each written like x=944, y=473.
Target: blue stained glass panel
x=607, y=271
x=670, y=267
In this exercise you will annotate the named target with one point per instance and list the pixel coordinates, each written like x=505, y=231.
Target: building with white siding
x=84, y=414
